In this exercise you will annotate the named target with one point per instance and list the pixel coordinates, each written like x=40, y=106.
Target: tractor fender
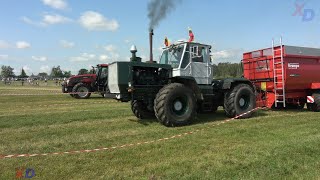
x=226, y=84
x=189, y=82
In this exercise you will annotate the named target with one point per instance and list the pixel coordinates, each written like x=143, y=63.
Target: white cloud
x=67, y=44
x=95, y=21
x=22, y=45
x=27, y=69
x=45, y=69
x=31, y=22
x=114, y=56
x=4, y=44
x=39, y=58
x=83, y=57
x=232, y=55
x=56, y=4
x=4, y=56
x=47, y=19
x=222, y=54
x=50, y=19
x=110, y=48
x=103, y=58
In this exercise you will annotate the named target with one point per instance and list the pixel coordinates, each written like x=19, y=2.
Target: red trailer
x=285, y=76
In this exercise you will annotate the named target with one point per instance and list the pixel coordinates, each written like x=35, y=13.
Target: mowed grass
x=271, y=145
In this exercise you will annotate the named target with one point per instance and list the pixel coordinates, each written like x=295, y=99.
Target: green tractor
x=179, y=86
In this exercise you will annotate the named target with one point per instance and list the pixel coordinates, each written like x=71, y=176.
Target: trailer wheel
x=81, y=91
x=175, y=105
x=140, y=110
x=239, y=100
x=316, y=105
x=296, y=106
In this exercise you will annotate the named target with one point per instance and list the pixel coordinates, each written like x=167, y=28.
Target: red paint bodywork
x=88, y=78
x=301, y=73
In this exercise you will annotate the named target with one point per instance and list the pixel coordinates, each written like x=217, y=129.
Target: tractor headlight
x=68, y=81
x=129, y=84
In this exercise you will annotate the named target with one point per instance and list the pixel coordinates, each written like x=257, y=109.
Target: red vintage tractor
x=81, y=86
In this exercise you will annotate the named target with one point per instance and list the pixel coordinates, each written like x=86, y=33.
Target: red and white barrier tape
x=66, y=104
x=47, y=94
x=125, y=145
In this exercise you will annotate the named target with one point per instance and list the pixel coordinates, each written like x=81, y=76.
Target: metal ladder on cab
x=278, y=74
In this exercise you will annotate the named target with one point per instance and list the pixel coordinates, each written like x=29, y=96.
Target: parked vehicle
x=81, y=86
x=285, y=76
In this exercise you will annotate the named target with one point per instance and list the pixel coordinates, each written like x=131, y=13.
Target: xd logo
x=307, y=14
x=29, y=173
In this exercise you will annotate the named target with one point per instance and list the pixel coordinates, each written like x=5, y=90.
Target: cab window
x=197, y=53
x=104, y=72
x=186, y=58
x=172, y=56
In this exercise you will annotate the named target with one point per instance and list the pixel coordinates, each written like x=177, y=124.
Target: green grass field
x=271, y=145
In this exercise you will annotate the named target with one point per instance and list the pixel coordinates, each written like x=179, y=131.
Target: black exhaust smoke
x=159, y=9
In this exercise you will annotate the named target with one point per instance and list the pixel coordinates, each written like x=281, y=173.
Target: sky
x=39, y=34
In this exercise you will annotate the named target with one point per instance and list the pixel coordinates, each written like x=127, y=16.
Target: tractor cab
x=102, y=76
x=189, y=59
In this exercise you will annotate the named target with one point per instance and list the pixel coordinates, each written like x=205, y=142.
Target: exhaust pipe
x=151, y=45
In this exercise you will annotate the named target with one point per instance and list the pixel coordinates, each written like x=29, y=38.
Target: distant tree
x=227, y=70
x=92, y=71
x=43, y=74
x=56, y=72
x=67, y=74
x=23, y=74
x=83, y=71
x=7, y=71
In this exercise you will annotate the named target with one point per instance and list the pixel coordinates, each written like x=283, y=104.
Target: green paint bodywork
x=126, y=73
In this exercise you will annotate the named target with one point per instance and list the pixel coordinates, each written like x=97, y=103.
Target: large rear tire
x=140, y=110
x=316, y=105
x=175, y=105
x=239, y=100
x=81, y=91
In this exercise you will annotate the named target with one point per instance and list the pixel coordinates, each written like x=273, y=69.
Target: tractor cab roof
x=182, y=53
x=102, y=65
x=181, y=42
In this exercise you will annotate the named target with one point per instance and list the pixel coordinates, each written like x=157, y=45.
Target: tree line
x=221, y=70
x=227, y=70
x=56, y=72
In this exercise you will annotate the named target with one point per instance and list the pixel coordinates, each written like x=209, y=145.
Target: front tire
x=239, y=100
x=81, y=91
x=140, y=110
x=175, y=105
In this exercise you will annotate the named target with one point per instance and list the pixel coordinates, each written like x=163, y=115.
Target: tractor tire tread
x=159, y=106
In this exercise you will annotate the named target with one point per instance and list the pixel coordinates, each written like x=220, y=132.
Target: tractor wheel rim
x=177, y=105
x=180, y=106
x=82, y=91
x=242, y=102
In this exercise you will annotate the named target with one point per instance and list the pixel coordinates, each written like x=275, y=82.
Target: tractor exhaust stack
x=151, y=45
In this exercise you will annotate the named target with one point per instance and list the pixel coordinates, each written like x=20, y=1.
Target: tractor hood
x=94, y=76
x=84, y=78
